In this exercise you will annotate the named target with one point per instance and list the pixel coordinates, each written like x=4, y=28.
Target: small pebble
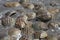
x=12, y=4
x=44, y=15
x=21, y=21
x=53, y=25
x=28, y=5
x=53, y=10
x=7, y=21
x=43, y=26
x=15, y=33
x=43, y=34
x=31, y=15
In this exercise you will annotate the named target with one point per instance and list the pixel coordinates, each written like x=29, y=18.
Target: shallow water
x=3, y=10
